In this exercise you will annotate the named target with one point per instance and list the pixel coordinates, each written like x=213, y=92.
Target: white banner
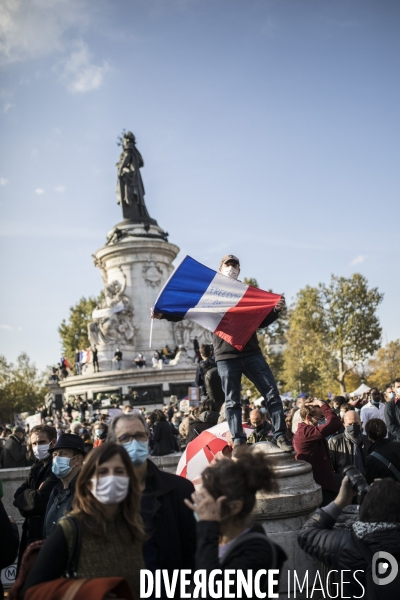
x=103, y=313
x=33, y=420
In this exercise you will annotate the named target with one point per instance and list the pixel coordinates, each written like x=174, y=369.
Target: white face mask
x=111, y=489
x=230, y=272
x=397, y=392
x=41, y=452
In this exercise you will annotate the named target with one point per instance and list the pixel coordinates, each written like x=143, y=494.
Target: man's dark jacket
x=341, y=451
x=163, y=439
x=392, y=418
x=14, y=454
x=375, y=469
x=337, y=549
x=209, y=382
x=32, y=502
x=167, y=519
x=65, y=506
x=204, y=421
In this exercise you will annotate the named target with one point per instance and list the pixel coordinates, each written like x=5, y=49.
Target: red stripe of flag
x=241, y=321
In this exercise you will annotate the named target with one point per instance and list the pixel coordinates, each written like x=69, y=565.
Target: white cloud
x=59, y=188
x=358, y=259
x=39, y=191
x=7, y=107
x=8, y=327
x=33, y=28
x=30, y=29
x=3, y=181
x=80, y=74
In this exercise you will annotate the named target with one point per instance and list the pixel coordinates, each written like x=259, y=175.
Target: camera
x=357, y=482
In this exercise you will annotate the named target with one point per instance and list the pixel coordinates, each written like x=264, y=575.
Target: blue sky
x=269, y=129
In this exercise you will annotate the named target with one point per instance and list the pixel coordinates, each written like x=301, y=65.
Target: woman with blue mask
x=67, y=458
x=105, y=512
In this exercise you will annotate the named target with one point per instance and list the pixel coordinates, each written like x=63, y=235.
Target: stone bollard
x=284, y=512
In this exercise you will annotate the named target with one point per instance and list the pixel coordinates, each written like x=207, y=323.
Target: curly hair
x=240, y=479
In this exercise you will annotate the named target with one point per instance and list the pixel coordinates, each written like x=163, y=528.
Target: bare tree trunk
x=342, y=372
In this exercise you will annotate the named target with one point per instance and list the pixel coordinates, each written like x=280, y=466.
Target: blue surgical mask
x=61, y=467
x=138, y=452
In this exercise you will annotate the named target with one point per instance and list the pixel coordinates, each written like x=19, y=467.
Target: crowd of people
x=97, y=510
x=110, y=490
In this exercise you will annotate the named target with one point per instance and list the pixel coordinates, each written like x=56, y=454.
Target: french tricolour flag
x=231, y=309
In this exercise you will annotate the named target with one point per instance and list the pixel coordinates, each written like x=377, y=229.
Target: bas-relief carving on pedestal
x=152, y=273
x=112, y=318
x=186, y=331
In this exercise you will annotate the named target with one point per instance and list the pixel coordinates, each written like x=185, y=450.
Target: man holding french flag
x=232, y=311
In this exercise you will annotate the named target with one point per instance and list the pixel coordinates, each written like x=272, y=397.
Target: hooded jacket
x=337, y=549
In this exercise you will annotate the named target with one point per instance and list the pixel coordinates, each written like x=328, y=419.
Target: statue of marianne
x=130, y=188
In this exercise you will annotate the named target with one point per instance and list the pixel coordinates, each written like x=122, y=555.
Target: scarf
x=358, y=457
x=360, y=529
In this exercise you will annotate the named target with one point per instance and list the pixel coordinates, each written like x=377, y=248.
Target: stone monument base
x=154, y=386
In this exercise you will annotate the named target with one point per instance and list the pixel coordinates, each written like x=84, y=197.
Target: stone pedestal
x=153, y=386
x=284, y=512
x=135, y=264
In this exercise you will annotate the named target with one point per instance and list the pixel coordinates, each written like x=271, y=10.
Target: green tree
x=384, y=367
x=353, y=328
x=22, y=387
x=333, y=330
x=305, y=356
x=74, y=332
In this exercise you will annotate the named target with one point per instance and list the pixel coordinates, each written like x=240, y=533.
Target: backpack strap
x=370, y=592
x=73, y=536
x=249, y=537
x=387, y=464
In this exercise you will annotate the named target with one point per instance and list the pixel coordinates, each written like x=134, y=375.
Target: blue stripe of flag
x=184, y=288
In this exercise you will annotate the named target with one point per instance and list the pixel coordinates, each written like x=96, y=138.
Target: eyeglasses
x=141, y=436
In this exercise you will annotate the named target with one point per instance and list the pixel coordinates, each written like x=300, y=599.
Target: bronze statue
x=130, y=188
